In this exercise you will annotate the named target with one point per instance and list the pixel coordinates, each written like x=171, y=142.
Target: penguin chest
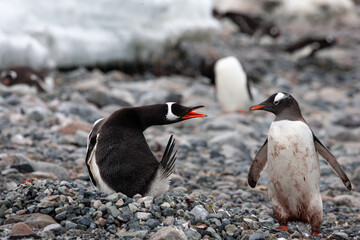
x=293, y=165
x=232, y=92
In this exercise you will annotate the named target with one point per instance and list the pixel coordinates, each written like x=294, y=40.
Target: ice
x=42, y=33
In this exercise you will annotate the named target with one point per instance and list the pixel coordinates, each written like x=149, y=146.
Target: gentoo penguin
x=293, y=165
x=309, y=46
x=119, y=159
x=26, y=75
x=251, y=25
x=232, y=87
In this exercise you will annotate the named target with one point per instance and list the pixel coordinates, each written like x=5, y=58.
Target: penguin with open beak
x=290, y=151
x=118, y=157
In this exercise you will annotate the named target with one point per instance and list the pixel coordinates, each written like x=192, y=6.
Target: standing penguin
x=232, y=87
x=119, y=159
x=293, y=165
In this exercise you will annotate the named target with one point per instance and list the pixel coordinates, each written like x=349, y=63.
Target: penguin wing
x=258, y=165
x=89, y=153
x=331, y=160
x=91, y=147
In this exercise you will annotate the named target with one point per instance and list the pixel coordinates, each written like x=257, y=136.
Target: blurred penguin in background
x=232, y=86
x=25, y=75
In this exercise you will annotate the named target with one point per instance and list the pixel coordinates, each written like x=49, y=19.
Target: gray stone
x=213, y=233
x=112, y=197
x=169, y=233
x=70, y=225
x=230, y=229
x=257, y=236
x=192, y=234
x=168, y=212
x=56, y=228
x=339, y=236
x=113, y=211
x=152, y=223
x=143, y=215
x=137, y=234
x=199, y=213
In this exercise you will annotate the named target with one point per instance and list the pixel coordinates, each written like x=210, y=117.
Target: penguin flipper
x=331, y=160
x=89, y=153
x=258, y=165
x=91, y=147
x=168, y=160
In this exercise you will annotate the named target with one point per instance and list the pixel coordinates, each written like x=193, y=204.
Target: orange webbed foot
x=316, y=234
x=282, y=228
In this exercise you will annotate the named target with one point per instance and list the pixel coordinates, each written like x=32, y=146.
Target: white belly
x=101, y=185
x=231, y=86
x=293, y=167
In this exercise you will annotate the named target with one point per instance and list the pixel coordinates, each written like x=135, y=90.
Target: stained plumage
x=119, y=159
x=290, y=151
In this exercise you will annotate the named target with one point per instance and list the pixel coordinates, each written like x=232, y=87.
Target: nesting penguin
x=309, y=46
x=25, y=75
x=119, y=159
x=232, y=86
x=290, y=151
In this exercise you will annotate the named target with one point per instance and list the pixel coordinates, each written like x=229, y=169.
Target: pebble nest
x=44, y=182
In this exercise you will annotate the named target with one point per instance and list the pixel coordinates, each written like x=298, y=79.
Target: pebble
x=199, y=213
x=142, y=216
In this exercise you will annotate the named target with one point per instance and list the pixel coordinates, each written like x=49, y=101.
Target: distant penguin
x=251, y=25
x=119, y=159
x=232, y=86
x=309, y=46
x=28, y=76
x=290, y=152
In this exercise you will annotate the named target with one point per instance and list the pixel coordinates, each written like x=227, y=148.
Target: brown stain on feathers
x=277, y=149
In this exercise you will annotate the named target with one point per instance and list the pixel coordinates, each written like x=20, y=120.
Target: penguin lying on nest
x=293, y=164
x=119, y=159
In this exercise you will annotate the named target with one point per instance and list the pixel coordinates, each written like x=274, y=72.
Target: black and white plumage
x=28, y=76
x=290, y=151
x=309, y=46
x=118, y=157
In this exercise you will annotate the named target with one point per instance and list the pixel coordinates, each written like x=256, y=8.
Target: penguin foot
x=316, y=234
x=282, y=228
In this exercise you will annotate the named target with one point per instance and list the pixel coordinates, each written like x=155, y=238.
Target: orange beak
x=193, y=114
x=257, y=107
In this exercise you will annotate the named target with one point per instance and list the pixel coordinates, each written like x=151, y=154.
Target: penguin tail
x=168, y=160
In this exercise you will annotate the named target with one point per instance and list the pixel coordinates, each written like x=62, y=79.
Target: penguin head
x=176, y=112
x=278, y=103
x=7, y=77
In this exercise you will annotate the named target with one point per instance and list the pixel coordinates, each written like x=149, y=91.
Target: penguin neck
x=291, y=114
x=150, y=115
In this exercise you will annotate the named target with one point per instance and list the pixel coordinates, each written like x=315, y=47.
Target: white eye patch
x=279, y=97
x=13, y=74
x=170, y=115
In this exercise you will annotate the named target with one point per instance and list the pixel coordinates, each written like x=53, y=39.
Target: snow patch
x=44, y=33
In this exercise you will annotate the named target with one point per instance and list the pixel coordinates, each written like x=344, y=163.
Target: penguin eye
x=276, y=102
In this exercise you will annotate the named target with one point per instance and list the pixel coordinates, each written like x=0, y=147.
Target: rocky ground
x=44, y=182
